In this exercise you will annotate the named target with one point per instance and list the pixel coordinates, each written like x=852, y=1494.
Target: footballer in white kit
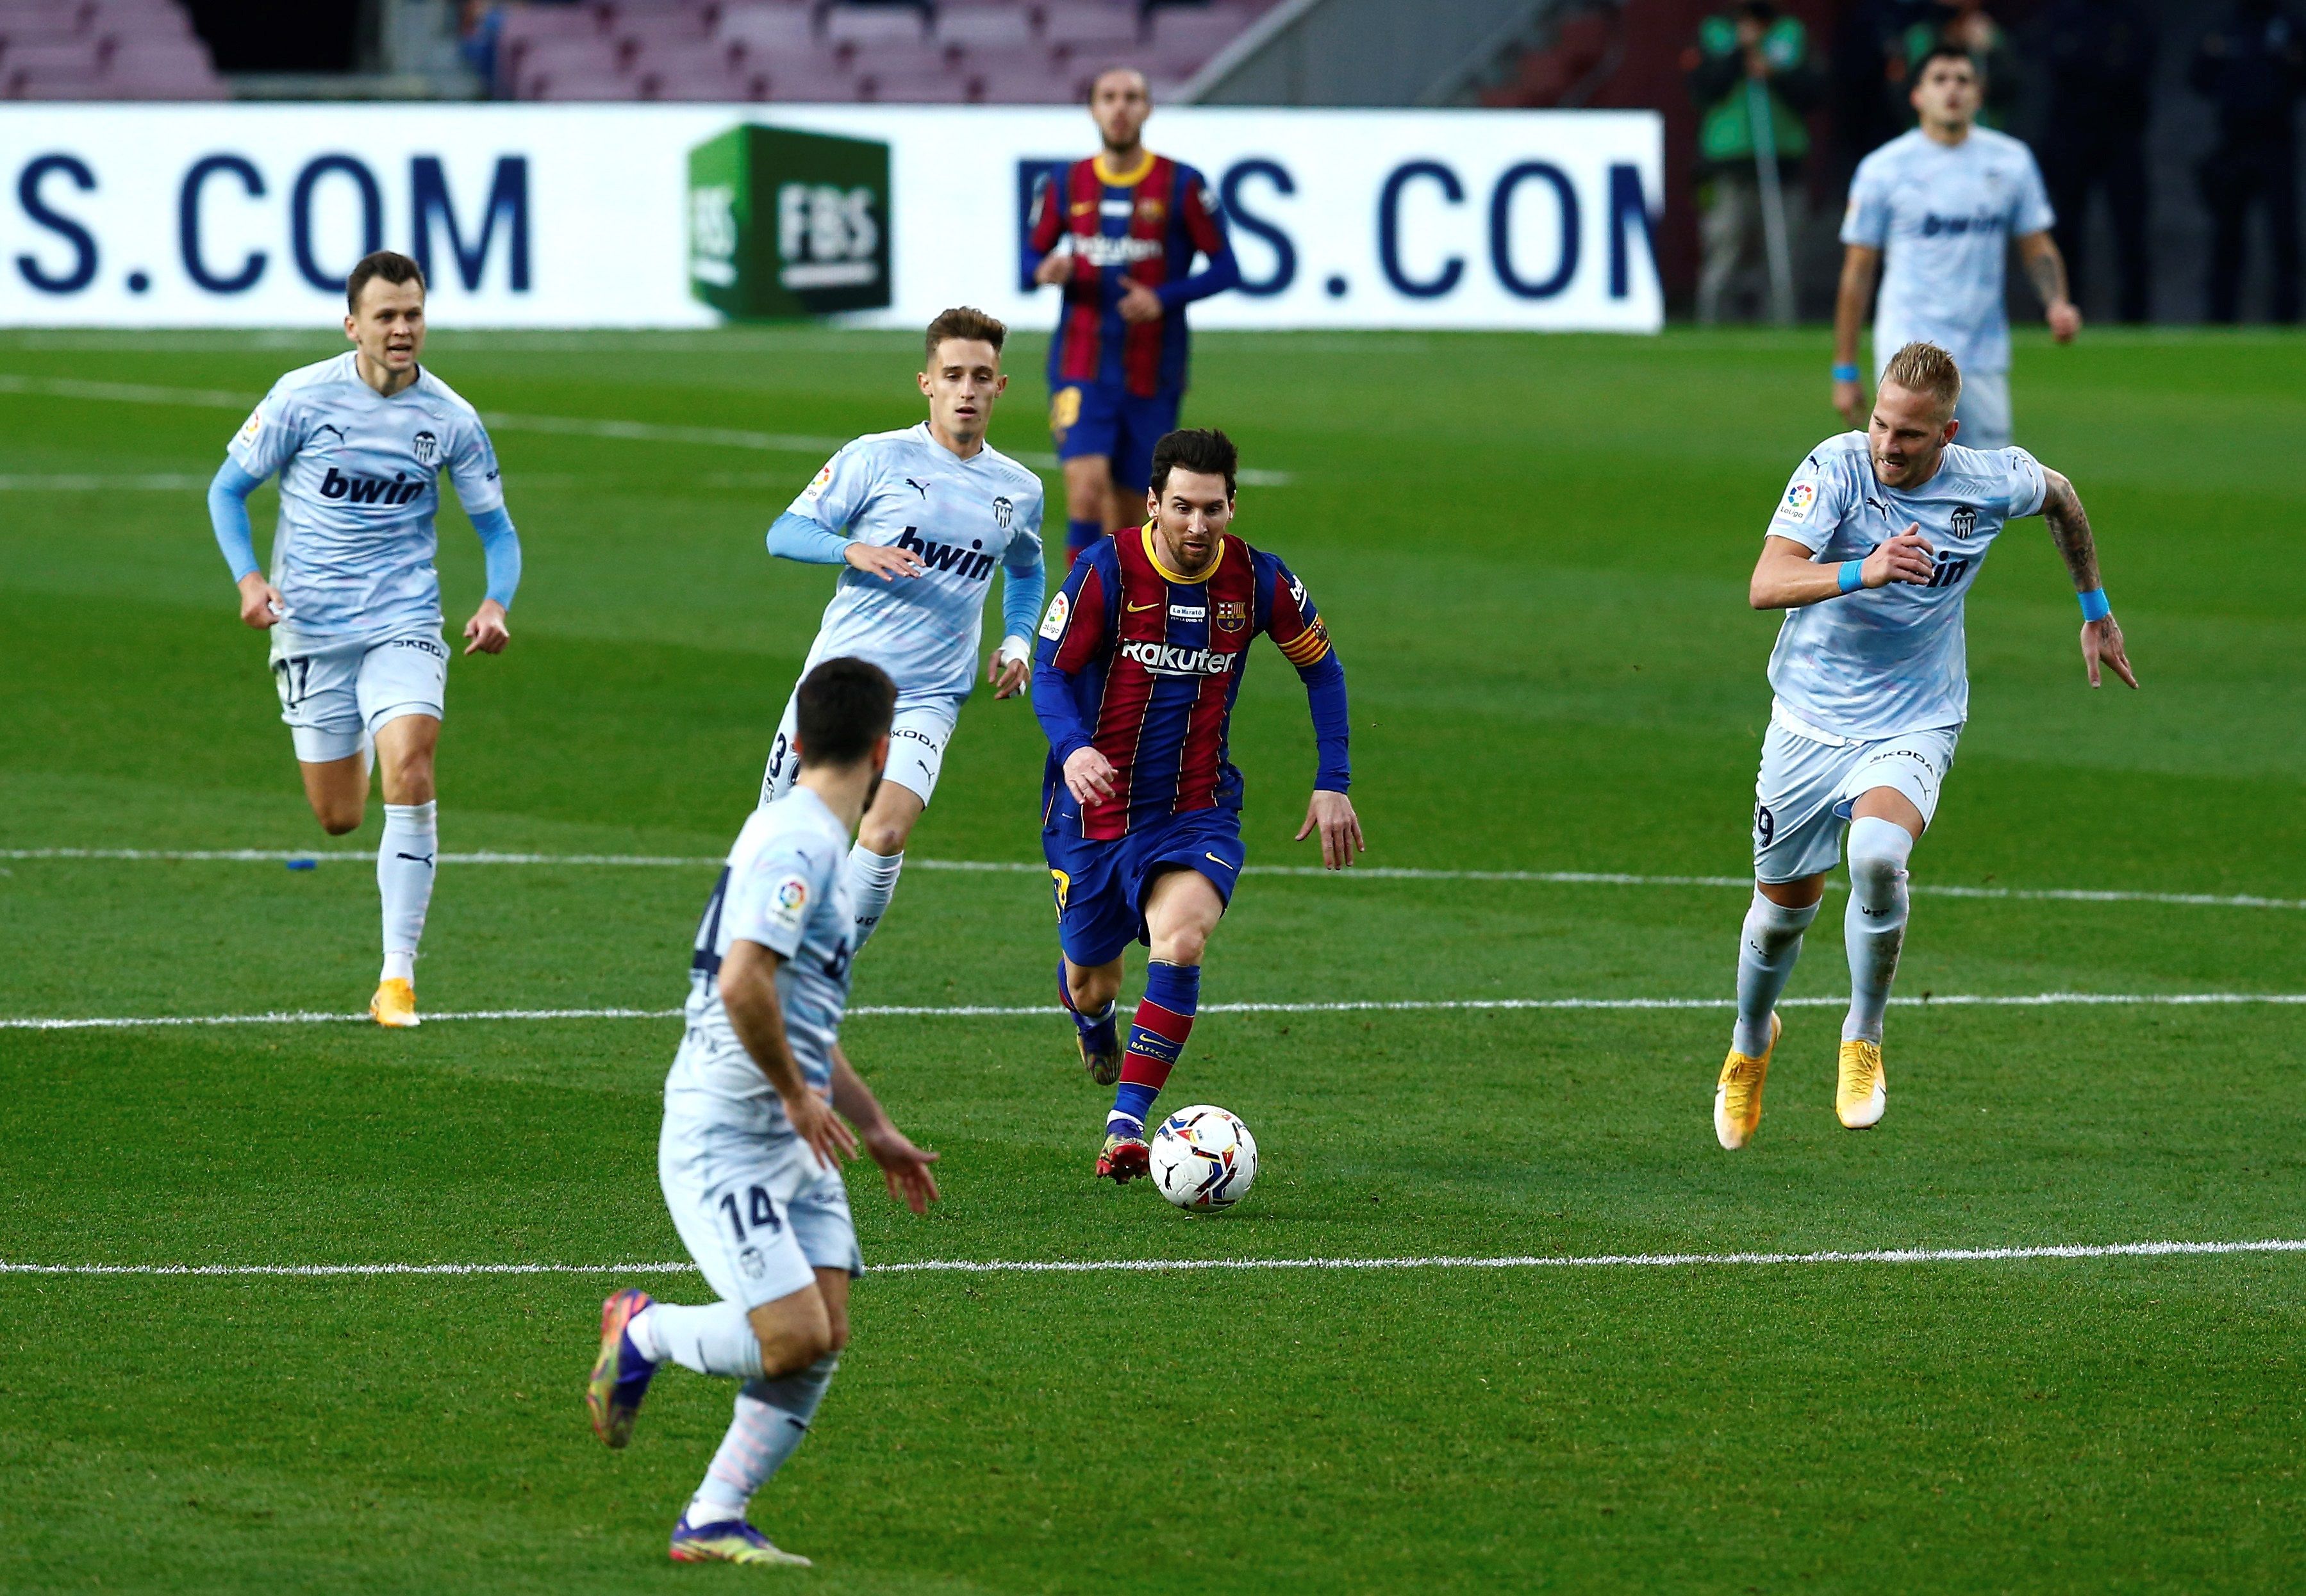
x=749, y=1157
x=1871, y=552
x=1933, y=212
x=921, y=517
x=352, y=602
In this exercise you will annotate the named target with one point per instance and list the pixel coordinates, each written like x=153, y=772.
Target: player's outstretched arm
x=1330, y=812
x=749, y=992
x=2070, y=529
x=489, y=630
x=904, y=1166
x=228, y=491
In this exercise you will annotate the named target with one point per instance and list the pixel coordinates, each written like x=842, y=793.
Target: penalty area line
x=1162, y=1265
x=1566, y=878
x=1956, y=1000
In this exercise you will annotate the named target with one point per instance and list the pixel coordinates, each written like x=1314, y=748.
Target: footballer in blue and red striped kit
x=1119, y=234
x=1140, y=660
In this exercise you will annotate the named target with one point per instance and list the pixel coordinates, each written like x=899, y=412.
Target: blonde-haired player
x=1871, y=552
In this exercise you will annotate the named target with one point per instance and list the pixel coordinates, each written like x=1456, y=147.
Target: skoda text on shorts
x=352, y=602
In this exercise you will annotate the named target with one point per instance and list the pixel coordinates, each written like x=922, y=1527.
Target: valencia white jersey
x=359, y=489
x=961, y=517
x=784, y=889
x=1944, y=216
x=1883, y=661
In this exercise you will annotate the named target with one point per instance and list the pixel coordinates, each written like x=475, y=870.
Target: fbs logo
x=371, y=489
x=784, y=224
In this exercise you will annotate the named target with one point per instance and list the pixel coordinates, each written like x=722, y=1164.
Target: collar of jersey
x=1107, y=174
x=923, y=432
x=1169, y=575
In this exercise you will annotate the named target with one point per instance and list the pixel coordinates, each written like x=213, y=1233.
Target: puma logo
x=424, y=859
x=918, y=487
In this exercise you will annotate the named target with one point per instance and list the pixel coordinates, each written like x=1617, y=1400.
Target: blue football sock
x=1165, y=1019
x=1079, y=534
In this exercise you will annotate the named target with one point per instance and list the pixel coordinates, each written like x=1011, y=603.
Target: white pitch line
x=1159, y=1266
x=498, y=421
x=2032, y=1000
x=1571, y=878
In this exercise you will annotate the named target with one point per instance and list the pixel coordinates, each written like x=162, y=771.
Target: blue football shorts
x=1100, y=886
x=1099, y=418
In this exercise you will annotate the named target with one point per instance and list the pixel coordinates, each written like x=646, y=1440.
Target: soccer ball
x=1204, y=1160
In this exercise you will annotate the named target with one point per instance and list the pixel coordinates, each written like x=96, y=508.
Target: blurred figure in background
x=2101, y=79
x=2253, y=64
x=1966, y=25
x=1755, y=46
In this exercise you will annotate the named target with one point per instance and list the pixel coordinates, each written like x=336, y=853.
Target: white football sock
x=714, y=1339
x=872, y=883
x=1767, y=949
x=772, y=1420
x=1875, y=927
x=403, y=879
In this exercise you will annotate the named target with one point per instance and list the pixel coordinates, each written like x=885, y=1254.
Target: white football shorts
x=759, y=1214
x=334, y=690
x=1810, y=780
x=918, y=736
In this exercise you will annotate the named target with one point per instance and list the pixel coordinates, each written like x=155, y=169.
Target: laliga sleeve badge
x=817, y=483
x=1799, y=498
x=1052, y=623
x=251, y=426
x=789, y=903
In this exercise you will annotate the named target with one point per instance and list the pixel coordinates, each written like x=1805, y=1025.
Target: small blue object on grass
x=304, y=864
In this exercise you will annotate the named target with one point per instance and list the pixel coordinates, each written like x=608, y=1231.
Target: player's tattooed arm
x=2046, y=267
x=748, y=993
x=904, y=1166
x=2070, y=529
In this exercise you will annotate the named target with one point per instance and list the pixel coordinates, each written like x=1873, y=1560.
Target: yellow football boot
x=1864, y=1088
x=1738, y=1095
x=394, y=1004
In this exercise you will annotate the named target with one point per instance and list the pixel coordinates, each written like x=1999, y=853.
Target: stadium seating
x=103, y=50
x=1002, y=52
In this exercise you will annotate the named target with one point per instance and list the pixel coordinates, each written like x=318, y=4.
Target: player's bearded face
x=1906, y=434
x=1119, y=105
x=1190, y=517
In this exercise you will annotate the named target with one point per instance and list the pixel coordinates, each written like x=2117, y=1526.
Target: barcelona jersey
x=1144, y=226
x=1144, y=665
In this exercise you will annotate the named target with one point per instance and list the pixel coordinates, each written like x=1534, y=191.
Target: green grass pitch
x=1532, y=553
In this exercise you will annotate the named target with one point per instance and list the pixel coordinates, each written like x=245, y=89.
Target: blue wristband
x=2095, y=605
x=1853, y=574
x=1845, y=373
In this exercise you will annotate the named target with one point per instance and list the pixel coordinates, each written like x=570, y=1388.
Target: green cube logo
x=784, y=224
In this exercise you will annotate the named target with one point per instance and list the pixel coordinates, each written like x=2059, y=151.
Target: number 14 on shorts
x=756, y=1208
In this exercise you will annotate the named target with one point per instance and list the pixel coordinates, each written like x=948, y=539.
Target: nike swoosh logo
x=1155, y=604
x=1215, y=860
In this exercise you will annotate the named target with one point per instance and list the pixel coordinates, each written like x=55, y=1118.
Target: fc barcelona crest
x=1231, y=616
x=1964, y=521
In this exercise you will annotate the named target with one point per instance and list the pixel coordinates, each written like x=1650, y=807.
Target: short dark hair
x=389, y=264
x=1196, y=449
x=962, y=322
x=1089, y=89
x=846, y=705
x=1943, y=51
